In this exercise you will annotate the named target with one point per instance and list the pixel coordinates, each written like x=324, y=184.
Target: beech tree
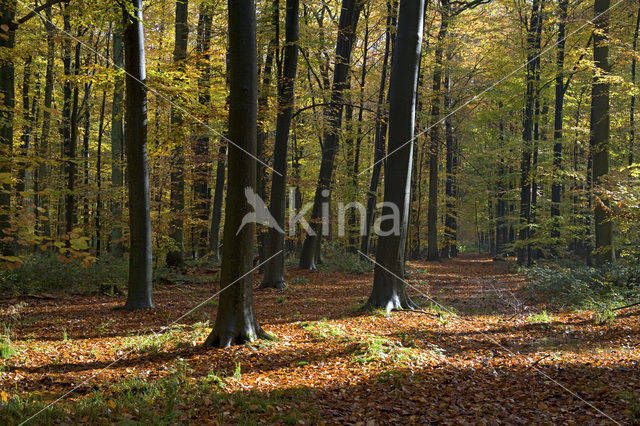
x=235, y=322
x=389, y=290
x=140, y=286
x=274, y=269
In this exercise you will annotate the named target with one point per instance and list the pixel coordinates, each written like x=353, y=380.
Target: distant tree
x=349, y=14
x=600, y=123
x=117, y=145
x=389, y=290
x=140, y=288
x=235, y=321
x=274, y=269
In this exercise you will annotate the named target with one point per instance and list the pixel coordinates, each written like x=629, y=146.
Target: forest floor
x=487, y=354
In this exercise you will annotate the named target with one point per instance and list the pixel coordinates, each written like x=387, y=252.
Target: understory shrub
x=45, y=273
x=585, y=287
x=339, y=260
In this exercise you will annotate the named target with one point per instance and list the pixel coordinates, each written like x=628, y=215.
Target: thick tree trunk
x=381, y=128
x=346, y=34
x=389, y=289
x=274, y=269
x=175, y=254
x=140, y=290
x=201, y=144
x=556, y=187
x=117, y=146
x=432, y=211
x=600, y=123
x=235, y=321
x=7, y=76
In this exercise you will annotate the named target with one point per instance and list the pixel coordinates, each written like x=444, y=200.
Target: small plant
x=6, y=347
x=633, y=404
x=65, y=338
x=281, y=299
x=322, y=329
x=237, y=373
x=444, y=320
x=540, y=318
x=298, y=281
x=603, y=317
x=105, y=327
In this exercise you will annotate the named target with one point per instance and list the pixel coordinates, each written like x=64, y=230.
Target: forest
x=319, y=212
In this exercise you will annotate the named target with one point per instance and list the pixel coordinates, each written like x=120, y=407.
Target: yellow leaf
x=4, y=396
x=112, y=403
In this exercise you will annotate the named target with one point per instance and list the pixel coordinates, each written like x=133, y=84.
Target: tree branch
x=39, y=9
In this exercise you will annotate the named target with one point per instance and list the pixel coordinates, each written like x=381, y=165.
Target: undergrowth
x=583, y=287
x=44, y=273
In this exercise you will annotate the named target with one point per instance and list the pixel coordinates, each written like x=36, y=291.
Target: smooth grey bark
x=140, y=286
x=389, y=290
x=236, y=321
x=381, y=128
x=556, y=187
x=274, y=269
x=117, y=145
x=176, y=199
x=600, y=128
x=333, y=118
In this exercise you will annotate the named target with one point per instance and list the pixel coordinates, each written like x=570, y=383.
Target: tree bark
x=346, y=34
x=274, y=269
x=175, y=254
x=600, y=123
x=140, y=288
x=235, y=321
x=7, y=80
x=389, y=289
x=632, y=106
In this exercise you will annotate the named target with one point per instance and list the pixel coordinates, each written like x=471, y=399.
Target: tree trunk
x=201, y=144
x=632, y=106
x=527, y=135
x=450, y=248
x=274, y=269
x=175, y=255
x=389, y=289
x=556, y=187
x=235, y=321
x=117, y=146
x=432, y=211
x=346, y=35
x=7, y=76
x=140, y=294
x=600, y=121
x=41, y=182
x=381, y=128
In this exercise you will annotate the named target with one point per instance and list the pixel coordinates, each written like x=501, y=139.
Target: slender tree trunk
x=274, y=269
x=140, y=292
x=175, y=255
x=201, y=145
x=25, y=139
x=450, y=248
x=556, y=187
x=527, y=136
x=389, y=289
x=632, y=106
x=235, y=321
x=381, y=128
x=432, y=211
x=117, y=146
x=7, y=76
x=600, y=121
x=41, y=181
x=346, y=34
